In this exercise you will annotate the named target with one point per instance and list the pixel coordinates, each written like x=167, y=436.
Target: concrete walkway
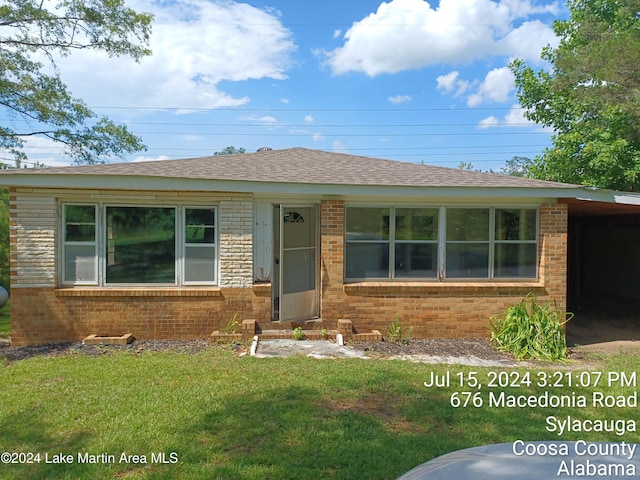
x=306, y=348
x=328, y=349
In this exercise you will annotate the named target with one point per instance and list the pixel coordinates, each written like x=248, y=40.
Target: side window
x=200, y=245
x=367, y=242
x=416, y=243
x=467, y=244
x=79, y=244
x=516, y=246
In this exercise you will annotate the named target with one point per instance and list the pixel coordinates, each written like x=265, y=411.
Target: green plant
x=396, y=333
x=231, y=326
x=298, y=334
x=530, y=329
x=324, y=333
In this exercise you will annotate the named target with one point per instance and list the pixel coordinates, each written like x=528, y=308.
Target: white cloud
x=317, y=137
x=410, y=34
x=150, y=159
x=339, y=146
x=527, y=40
x=309, y=119
x=514, y=118
x=42, y=150
x=265, y=119
x=451, y=83
x=400, y=99
x=196, y=45
x=337, y=33
x=489, y=122
x=496, y=87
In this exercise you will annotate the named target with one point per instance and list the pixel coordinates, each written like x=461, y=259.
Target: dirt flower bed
x=479, y=348
x=77, y=348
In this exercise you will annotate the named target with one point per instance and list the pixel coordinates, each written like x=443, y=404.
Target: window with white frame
x=440, y=242
x=79, y=244
x=144, y=244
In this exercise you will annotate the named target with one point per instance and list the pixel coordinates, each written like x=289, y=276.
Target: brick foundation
x=42, y=315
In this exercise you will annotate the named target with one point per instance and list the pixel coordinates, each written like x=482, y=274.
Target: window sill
x=138, y=292
x=451, y=288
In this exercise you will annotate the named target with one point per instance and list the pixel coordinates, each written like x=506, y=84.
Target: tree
x=517, y=167
x=590, y=96
x=230, y=150
x=31, y=30
x=5, y=270
x=466, y=166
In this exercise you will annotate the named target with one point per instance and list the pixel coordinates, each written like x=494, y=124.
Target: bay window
x=131, y=245
x=440, y=243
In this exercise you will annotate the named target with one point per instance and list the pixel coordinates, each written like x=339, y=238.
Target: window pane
x=367, y=260
x=299, y=227
x=416, y=224
x=367, y=224
x=200, y=235
x=199, y=225
x=299, y=270
x=515, y=260
x=467, y=260
x=140, y=245
x=199, y=264
x=80, y=213
x=467, y=224
x=416, y=260
x=80, y=233
x=515, y=224
x=80, y=223
x=80, y=263
x=200, y=216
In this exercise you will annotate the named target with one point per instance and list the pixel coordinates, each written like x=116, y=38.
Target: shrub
x=531, y=330
x=298, y=333
x=231, y=326
x=396, y=333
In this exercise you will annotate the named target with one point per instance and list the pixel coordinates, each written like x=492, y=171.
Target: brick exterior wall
x=435, y=309
x=42, y=312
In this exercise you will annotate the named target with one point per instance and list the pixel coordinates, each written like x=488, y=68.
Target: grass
x=5, y=320
x=226, y=417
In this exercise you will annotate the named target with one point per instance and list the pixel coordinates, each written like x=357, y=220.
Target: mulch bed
x=478, y=348
x=77, y=348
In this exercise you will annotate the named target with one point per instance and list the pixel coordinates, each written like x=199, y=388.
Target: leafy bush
x=298, y=333
x=396, y=333
x=531, y=330
x=231, y=326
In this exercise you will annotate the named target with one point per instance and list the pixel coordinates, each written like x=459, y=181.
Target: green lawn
x=224, y=417
x=5, y=320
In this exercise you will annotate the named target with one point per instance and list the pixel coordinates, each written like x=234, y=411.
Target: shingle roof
x=302, y=166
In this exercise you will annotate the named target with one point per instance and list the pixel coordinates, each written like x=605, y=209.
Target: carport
x=603, y=267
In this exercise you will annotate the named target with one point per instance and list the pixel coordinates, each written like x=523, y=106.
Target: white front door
x=298, y=260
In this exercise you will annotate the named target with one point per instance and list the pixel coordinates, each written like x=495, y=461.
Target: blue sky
x=407, y=79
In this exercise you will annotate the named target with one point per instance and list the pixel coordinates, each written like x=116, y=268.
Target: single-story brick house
x=174, y=249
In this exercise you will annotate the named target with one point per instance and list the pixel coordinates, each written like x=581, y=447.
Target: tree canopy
x=32, y=34
x=590, y=96
x=230, y=150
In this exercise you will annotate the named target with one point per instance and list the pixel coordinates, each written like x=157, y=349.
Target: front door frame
x=301, y=305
